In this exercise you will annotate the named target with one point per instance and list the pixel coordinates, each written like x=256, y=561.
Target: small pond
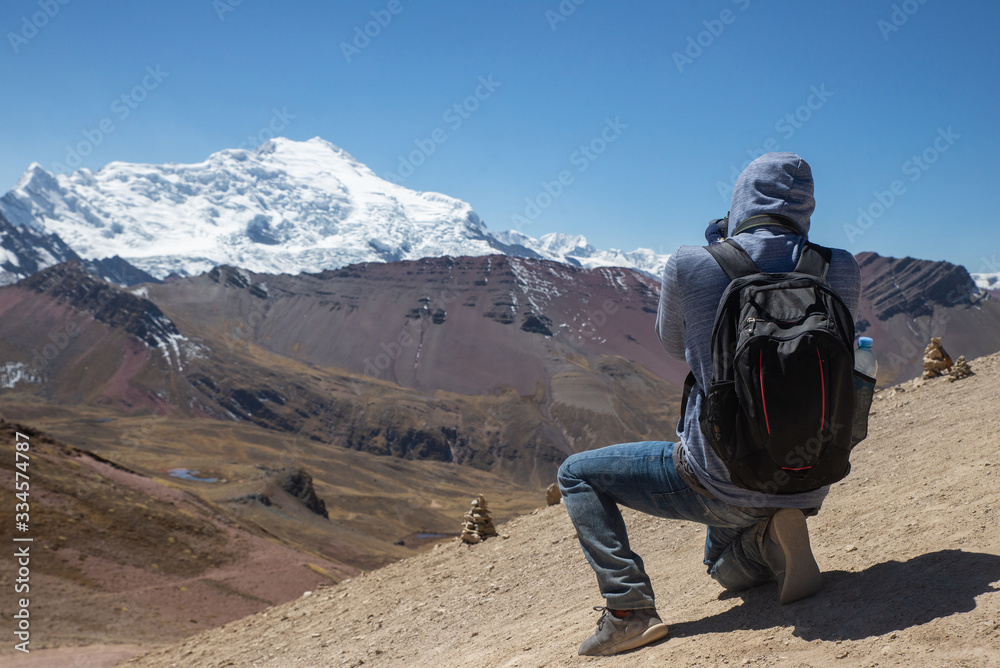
x=191, y=474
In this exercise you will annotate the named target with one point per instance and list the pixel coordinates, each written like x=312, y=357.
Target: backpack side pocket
x=718, y=419
x=864, y=391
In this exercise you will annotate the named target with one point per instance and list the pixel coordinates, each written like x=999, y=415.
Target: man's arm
x=845, y=277
x=670, y=314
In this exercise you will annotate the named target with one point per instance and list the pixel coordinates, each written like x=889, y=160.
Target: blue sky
x=894, y=103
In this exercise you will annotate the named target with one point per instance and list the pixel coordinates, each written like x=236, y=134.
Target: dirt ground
x=909, y=546
x=95, y=656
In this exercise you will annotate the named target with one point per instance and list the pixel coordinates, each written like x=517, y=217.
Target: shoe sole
x=802, y=577
x=652, y=634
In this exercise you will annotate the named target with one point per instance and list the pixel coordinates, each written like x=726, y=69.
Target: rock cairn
x=478, y=525
x=960, y=370
x=936, y=360
x=552, y=495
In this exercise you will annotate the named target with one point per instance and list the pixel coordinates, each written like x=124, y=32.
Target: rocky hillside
x=473, y=325
x=491, y=363
x=121, y=557
x=908, y=545
x=25, y=250
x=148, y=528
x=905, y=302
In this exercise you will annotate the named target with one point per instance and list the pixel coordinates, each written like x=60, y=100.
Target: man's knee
x=736, y=580
x=735, y=572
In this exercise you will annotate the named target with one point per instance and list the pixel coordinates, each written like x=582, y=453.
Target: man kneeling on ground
x=753, y=537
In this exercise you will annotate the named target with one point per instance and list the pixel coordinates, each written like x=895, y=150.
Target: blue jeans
x=642, y=476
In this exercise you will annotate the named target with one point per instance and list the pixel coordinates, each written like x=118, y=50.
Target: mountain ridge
x=285, y=206
x=276, y=351
x=507, y=364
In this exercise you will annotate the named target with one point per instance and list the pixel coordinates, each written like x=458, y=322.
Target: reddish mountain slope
x=498, y=387
x=906, y=302
x=467, y=325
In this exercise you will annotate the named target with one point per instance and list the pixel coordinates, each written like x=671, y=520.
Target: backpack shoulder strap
x=814, y=260
x=735, y=261
x=689, y=384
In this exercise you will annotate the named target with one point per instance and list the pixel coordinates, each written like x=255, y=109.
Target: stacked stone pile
x=960, y=370
x=478, y=525
x=936, y=360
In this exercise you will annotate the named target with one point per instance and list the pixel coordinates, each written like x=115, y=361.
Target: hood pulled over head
x=779, y=184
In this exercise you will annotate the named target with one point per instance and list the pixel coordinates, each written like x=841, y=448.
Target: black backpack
x=779, y=410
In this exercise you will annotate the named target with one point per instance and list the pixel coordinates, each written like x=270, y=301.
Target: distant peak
x=322, y=142
x=284, y=143
x=316, y=149
x=36, y=176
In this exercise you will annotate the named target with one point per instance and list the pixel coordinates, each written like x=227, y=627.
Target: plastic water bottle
x=864, y=358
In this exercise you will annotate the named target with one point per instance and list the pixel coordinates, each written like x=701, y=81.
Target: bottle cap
x=865, y=342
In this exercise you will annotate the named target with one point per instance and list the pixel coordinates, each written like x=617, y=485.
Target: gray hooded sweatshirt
x=777, y=184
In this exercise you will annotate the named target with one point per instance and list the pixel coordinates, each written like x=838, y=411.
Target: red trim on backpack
x=763, y=401
x=822, y=384
x=804, y=468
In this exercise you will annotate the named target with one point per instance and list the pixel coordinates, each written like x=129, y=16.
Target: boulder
x=299, y=484
x=552, y=495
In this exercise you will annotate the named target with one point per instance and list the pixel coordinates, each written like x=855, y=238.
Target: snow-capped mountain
x=26, y=250
x=987, y=281
x=574, y=249
x=286, y=207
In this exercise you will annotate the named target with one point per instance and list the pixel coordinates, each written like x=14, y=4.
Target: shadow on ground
x=886, y=597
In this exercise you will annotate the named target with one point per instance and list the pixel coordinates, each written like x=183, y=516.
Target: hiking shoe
x=614, y=635
x=787, y=552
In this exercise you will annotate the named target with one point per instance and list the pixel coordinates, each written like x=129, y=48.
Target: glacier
x=285, y=207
